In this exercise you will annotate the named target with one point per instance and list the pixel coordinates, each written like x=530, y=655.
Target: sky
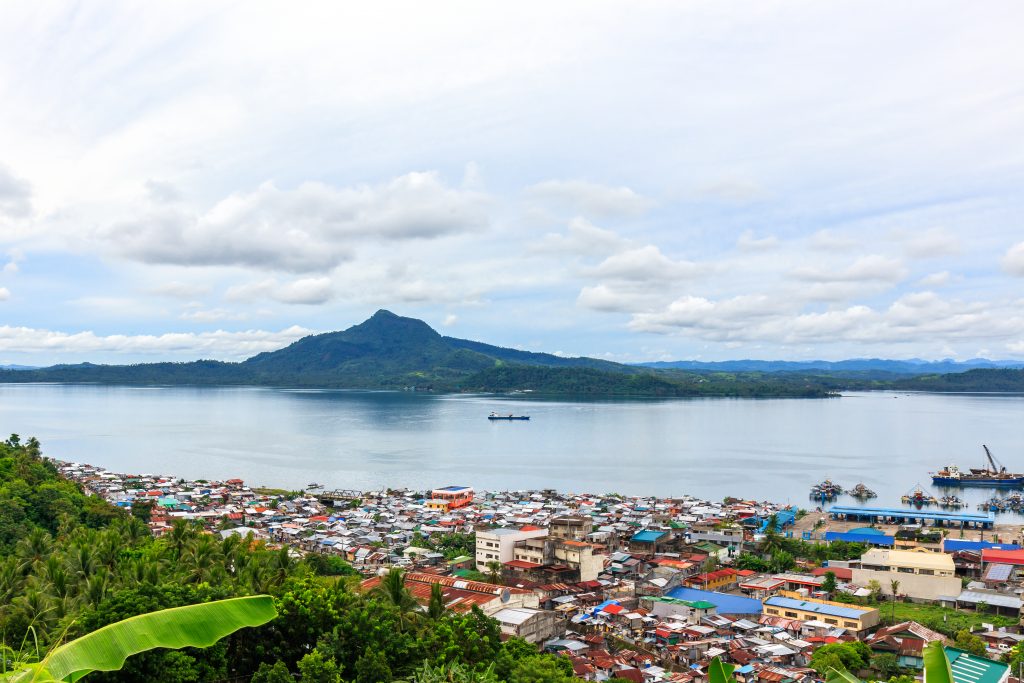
x=626, y=180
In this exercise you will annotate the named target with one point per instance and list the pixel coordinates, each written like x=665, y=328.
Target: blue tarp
x=869, y=539
x=726, y=603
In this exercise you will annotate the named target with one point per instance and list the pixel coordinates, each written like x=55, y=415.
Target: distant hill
x=861, y=367
x=981, y=380
x=388, y=351
x=18, y=367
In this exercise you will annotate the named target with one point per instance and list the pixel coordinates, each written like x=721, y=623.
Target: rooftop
x=817, y=607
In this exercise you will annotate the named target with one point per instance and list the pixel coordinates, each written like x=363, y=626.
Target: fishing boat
x=951, y=502
x=919, y=498
x=510, y=416
x=826, y=490
x=993, y=475
x=314, y=485
x=862, y=492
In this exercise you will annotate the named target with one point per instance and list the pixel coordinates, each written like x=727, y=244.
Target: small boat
x=919, y=498
x=862, y=492
x=951, y=502
x=510, y=416
x=826, y=490
x=314, y=485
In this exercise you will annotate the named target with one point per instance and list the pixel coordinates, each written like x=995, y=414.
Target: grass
x=942, y=619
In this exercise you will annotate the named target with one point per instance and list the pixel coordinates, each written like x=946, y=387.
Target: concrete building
x=497, y=545
x=571, y=527
x=532, y=625
x=460, y=595
x=922, y=574
x=555, y=558
x=835, y=614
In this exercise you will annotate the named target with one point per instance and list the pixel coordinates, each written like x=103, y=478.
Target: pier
x=962, y=520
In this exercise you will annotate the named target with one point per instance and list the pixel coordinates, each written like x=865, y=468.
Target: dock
x=962, y=520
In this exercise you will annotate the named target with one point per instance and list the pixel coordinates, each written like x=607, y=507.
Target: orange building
x=454, y=496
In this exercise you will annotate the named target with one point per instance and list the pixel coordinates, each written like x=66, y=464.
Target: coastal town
x=647, y=589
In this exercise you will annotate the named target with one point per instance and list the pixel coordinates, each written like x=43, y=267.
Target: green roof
x=462, y=573
x=968, y=668
x=693, y=604
x=460, y=558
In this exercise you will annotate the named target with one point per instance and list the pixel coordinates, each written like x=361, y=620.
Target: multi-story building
x=922, y=574
x=571, y=527
x=839, y=615
x=454, y=496
x=557, y=559
x=497, y=545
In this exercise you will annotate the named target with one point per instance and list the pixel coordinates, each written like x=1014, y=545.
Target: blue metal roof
x=816, y=607
x=725, y=602
x=854, y=537
x=952, y=545
x=647, y=536
x=906, y=513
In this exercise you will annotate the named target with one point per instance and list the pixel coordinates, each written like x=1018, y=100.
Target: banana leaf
x=840, y=676
x=107, y=648
x=936, y=664
x=719, y=672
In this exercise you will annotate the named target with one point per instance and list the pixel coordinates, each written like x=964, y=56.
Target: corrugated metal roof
x=817, y=607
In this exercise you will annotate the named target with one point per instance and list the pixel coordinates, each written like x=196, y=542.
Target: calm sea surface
x=763, y=449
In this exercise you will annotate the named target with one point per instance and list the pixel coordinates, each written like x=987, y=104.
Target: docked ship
x=991, y=476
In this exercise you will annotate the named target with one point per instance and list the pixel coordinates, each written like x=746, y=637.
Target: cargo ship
x=495, y=416
x=991, y=476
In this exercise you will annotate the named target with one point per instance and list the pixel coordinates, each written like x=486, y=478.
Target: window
x=927, y=572
x=791, y=615
x=850, y=624
x=905, y=570
x=834, y=622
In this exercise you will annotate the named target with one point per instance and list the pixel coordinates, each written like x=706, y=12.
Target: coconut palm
x=393, y=591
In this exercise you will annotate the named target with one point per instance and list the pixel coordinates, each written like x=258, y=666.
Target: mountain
x=860, y=367
x=17, y=367
x=388, y=351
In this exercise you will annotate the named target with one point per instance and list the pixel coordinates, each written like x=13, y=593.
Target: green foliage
x=850, y=656
x=965, y=640
x=750, y=562
x=829, y=583
x=315, y=668
x=945, y=620
x=272, y=673
x=886, y=664
x=936, y=664
x=329, y=565
x=372, y=667
x=542, y=669
x=453, y=672
x=719, y=672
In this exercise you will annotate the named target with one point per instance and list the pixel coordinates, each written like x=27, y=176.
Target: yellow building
x=437, y=504
x=837, y=614
x=922, y=574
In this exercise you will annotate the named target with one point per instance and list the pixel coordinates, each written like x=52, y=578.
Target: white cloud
x=591, y=199
x=312, y=290
x=1013, y=260
x=748, y=242
x=582, y=238
x=831, y=240
x=219, y=344
x=450, y=320
x=200, y=315
x=935, y=279
x=933, y=243
x=15, y=194
x=314, y=227
x=180, y=290
x=865, y=268
x=645, y=264
x=618, y=299
x=5, y=294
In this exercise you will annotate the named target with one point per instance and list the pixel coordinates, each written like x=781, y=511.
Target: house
x=497, y=545
x=968, y=668
x=906, y=640
x=532, y=625
x=461, y=595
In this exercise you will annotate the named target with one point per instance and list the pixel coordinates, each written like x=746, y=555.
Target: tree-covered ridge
x=77, y=564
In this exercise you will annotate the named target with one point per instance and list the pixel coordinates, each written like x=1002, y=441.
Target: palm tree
x=393, y=591
x=33, y=548
x=179, y=536
x=894, y=586
x=436, y=609
x=494, y=571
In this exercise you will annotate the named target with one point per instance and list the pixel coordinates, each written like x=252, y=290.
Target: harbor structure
x=964, y=520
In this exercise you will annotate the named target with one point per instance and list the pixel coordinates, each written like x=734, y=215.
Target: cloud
x=212, y=315
x=311, y=291
x=830, y=240
x=5, y=294
x=15, y=194
x=734, y=191
x=1013, y=261
x=312, y=228
x=748, y=242
x=866, y=268
x=450, y=320
x=933, y=243
x=582, y=238
x=162, y=192
x=180, y=290
x=219, y=344
x=935, y=279
x=645, y=264
x=916, y=316
x=612, y=299
x=591, y=198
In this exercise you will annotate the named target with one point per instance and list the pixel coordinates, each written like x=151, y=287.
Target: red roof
x=522, y=564
x=1015, y=557
x=613, y=609
x=842, y=573
x=530, y=527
